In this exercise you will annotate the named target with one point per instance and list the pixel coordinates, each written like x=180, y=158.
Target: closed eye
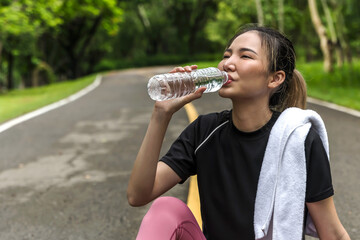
x=246, y=56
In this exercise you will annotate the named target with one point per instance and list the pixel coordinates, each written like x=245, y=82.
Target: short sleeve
x=319, y=183
x=180, y=156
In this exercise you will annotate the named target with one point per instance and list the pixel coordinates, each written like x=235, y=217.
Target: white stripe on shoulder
x=211, y=135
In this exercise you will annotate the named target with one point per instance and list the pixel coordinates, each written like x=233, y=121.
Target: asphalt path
x=64, y=174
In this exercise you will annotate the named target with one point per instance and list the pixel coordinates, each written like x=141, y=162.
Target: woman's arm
x=326, y=220
x=150, y=178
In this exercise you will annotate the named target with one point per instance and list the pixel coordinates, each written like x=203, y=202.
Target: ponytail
x=297, y=93
x=291, y=93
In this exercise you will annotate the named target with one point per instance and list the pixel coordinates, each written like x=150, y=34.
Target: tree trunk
x=321, y=32
x=1, y=46
x=334, y=38
x=85, y=44
x=260, y=13
x=340, y=27
x=92, y=31
x=152, y=47
x=10, y=80
x=42, y=66
x=198, y=21
x=281, y=15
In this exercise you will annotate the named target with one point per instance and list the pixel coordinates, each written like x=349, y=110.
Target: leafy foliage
x=46, y=40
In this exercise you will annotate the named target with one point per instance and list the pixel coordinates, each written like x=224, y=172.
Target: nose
x=229, y=65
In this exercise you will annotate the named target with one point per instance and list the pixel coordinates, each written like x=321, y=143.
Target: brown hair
x=281, y=56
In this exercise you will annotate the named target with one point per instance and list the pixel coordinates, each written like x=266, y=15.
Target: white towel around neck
x=280, y=197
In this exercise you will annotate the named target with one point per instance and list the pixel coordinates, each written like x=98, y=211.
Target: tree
x=321, y=32
x=154, y=24
x=231, y=15
x=172, y=26
x=70, y=41
x=53, y=36
x=335, y=43
x=22, y=22
x=281, y=15
x=189, y=19
x=17, y=33
x=40, y=39
x=259, y=11
x=340, y=28
x=350, y=24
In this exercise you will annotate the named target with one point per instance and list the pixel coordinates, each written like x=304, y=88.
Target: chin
x=224, y=94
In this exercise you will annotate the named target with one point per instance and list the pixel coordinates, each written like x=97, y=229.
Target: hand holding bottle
x=173, y=105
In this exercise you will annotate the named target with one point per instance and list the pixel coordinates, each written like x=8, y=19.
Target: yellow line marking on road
x=191, y=112
x=193, y=200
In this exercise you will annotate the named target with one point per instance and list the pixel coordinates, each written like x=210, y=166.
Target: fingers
x=201, y=90
x=191, y=97
x=193, y=67
x=184, y=69
x=173, y=105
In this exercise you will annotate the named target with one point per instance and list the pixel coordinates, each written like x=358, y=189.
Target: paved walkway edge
x=9, y=124
x=334, y=106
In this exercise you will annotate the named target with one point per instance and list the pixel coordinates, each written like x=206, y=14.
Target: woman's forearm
x=141, y=188
x=143, y=175
x=326, y=220
x=345, y=236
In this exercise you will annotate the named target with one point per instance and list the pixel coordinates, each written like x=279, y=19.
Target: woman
x=232, y=153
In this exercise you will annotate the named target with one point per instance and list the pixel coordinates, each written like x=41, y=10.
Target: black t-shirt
x=228, y=163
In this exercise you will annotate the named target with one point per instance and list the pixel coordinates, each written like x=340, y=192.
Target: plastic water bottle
x=172, y=85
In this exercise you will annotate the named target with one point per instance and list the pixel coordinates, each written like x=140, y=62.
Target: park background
x=52, y=48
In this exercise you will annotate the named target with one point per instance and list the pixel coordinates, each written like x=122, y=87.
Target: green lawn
x=19, y=102
x=341, y=87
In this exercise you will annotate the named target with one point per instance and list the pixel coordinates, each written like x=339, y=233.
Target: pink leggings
x=169, y=218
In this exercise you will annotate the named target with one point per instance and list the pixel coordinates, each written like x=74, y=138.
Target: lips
x=228, y=81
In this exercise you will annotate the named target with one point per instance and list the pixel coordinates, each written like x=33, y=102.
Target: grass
x=18, y=102
x=342, y=86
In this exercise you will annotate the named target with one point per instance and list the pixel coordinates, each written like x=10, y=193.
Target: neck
x=249, y=118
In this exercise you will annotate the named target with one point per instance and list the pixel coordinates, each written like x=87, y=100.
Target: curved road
x=63, y=175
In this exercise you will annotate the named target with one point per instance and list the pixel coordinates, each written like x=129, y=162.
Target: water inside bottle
x=173, y=85
x=211, y=78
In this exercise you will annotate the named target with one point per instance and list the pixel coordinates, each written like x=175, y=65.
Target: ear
x=276, y=79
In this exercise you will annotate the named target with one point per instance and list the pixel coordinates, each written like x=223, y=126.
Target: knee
x=167, y=216
x=167, y=204
x=168, y=208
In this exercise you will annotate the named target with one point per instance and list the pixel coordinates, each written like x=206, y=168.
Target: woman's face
x=246, y=63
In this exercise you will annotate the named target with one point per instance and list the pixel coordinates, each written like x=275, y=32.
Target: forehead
x=249, y=40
